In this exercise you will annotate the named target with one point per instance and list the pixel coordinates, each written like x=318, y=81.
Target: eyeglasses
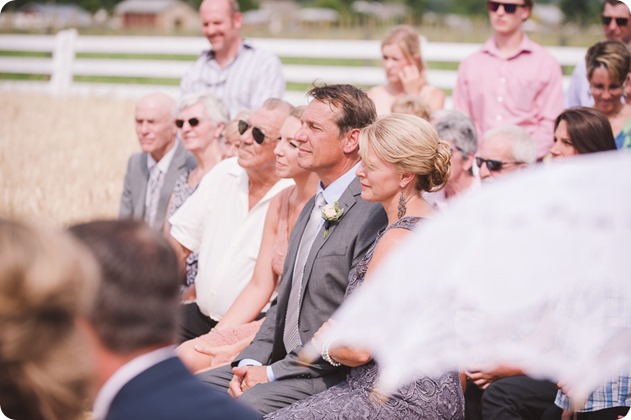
x=620, y=21
x=193, y=122
x=492, y=165
x=257, y=134
x=508, y=7
x=612, y=89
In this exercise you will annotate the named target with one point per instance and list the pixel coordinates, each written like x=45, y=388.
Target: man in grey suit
x=268, y=374
x=151, y=175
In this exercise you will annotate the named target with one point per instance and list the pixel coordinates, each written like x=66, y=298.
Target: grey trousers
x=272, y=396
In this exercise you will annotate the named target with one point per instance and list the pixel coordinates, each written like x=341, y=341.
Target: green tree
x=469, y=7
x=417, y=7
x=581, y=12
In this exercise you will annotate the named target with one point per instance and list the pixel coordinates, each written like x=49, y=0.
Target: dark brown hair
x=356, y=109
x=588, y=129
x=136, y=304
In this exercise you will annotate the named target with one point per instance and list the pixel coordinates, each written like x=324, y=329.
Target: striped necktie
x=291, y=336
x=154, y=187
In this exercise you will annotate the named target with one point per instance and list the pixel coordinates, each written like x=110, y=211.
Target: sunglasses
x=508, y=7
x=257, y=134
x=193, y=122
x=492, y=165
x=620, y=21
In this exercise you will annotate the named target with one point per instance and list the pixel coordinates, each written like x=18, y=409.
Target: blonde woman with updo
x=405, y=70
x=402, y=157
x=47, y=283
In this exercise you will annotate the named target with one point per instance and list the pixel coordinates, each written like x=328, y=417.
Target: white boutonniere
x=331, y=213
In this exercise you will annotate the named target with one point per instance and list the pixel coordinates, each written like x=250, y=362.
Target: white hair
x=215, y=108
x=523, y=146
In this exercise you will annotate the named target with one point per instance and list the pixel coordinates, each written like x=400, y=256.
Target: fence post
x=63, y=60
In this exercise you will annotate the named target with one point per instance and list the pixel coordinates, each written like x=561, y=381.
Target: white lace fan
x=534, y=271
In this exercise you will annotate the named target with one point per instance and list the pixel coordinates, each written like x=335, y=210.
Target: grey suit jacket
x=325, y=280
x=136, y=179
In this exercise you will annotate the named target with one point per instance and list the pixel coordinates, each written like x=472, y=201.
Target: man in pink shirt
x=511, y=80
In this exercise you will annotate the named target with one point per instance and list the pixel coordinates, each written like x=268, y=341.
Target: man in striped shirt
x=239, y=73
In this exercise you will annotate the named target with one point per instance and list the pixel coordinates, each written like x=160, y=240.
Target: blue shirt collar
x=333, y=192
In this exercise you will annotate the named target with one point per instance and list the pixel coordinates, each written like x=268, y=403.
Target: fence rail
x=63, y=62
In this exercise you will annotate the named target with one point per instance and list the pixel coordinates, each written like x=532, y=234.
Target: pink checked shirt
x=524, y=89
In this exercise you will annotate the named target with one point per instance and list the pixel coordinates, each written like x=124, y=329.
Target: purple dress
x=426, y=398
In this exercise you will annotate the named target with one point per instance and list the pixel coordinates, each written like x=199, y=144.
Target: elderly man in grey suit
x=151, y=175
x=268, y=374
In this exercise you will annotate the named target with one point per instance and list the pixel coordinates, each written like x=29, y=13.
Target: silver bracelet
x=325, y=353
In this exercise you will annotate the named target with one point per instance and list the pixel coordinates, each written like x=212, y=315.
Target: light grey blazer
x=136, y=179
x=325, y=280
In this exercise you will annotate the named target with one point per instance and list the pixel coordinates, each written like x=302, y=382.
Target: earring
x=402, y=207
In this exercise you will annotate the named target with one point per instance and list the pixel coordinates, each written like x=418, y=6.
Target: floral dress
x=181, y=192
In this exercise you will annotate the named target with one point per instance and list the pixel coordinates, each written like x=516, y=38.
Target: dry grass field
x=63, y=159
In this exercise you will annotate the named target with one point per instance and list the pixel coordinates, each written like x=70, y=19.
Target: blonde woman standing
x=405, y=72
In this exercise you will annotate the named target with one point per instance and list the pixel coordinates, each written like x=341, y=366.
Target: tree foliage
x=417, y=7
x=581, y=12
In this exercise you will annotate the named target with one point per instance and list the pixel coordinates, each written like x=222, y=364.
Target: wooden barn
x=161, y=15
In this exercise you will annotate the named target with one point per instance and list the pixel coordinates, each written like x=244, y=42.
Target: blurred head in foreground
x=47, y=282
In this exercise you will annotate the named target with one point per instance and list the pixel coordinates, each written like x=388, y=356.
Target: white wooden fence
x=63, y=63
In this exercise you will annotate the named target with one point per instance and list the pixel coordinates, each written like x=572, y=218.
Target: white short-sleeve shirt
x=216, y=223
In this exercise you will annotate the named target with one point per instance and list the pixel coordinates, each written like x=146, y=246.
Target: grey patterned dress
x=426, y=398
x=181, y=192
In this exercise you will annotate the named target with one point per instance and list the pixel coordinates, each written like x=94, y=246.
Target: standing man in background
x=511, y=80
x=151, y=174
x=240, y=74
x=617, y=27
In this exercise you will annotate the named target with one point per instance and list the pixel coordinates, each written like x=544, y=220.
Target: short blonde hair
x=613, y=56
x=410, y=104
x=412, y=145
x=231, y=131
x=47, y=280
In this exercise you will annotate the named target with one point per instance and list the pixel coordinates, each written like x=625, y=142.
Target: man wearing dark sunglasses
x=151, y=174
x=511, y=80
x=239, y=73
x=223, y=220
x=504, y=392
x=616, y=23
x=504, y=149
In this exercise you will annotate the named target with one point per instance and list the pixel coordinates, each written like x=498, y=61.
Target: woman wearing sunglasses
x=201, y=119
x=608, y=64
x=402, y=157
x=239, y=325
x=405, y=72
